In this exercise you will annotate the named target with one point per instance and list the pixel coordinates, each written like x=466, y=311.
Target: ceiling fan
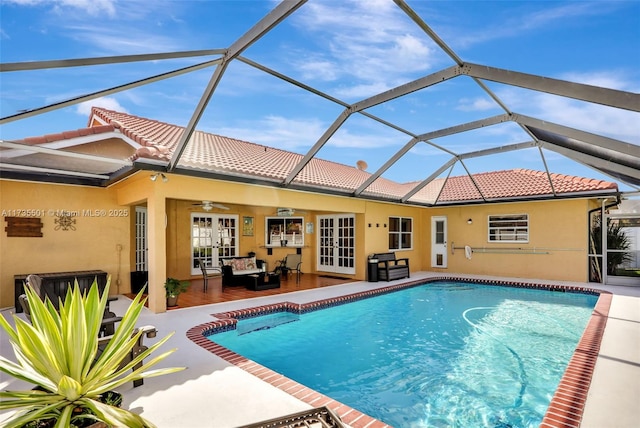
x=209, y=205
x=287, y=212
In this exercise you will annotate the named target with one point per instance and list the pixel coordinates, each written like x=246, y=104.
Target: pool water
x=438, y=355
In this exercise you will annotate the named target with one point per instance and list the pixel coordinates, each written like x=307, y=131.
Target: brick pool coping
x=566, y=407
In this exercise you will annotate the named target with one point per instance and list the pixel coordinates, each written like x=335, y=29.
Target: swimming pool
x=467, y=363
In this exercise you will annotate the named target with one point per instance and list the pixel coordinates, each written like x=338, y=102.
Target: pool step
x=266, y=322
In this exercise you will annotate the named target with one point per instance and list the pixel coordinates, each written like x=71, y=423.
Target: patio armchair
x=109, y=318
x=108, y=325
x=147, y=331
x=389, y=267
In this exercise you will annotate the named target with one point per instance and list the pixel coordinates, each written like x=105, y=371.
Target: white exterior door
x=439, y=242
x=336, y=243
x=212, y=236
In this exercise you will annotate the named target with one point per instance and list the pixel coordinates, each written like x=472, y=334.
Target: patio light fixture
x=154, y=177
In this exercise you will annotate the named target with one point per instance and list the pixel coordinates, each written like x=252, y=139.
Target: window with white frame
x=509, y=228
x=400, y=233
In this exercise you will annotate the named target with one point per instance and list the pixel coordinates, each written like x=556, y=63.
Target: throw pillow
x=238, y=264
x=250, y=263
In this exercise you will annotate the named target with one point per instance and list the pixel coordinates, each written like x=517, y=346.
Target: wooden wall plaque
x=23, y=227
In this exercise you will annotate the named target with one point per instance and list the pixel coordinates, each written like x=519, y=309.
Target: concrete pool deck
x=215, y=393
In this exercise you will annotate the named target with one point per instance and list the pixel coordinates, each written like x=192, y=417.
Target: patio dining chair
x=292, y=263
x=206, y=274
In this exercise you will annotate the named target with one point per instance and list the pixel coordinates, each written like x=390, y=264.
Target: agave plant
x=58, y=353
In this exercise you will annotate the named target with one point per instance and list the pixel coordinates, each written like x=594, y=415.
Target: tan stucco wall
x=556, y=228
x=258, y=202
x=101, y=226
x=377, y=236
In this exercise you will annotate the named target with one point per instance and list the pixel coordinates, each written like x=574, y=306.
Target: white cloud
x=113, y=40
x=370, y=41
x=598, y=119
x=319, y=70
x=344, y=138
x=362, y=91
x=92, y=7
x=525, y=21
x=301, y=134
x=109, y=103
x=603, y=79
x=477, y=104
x=277, y=131
x=113, y=27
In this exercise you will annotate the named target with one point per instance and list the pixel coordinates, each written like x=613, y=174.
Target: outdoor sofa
x=236, y=270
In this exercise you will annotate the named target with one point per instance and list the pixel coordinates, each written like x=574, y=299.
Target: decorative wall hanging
x=65, y=222
x=247, y=226
x=30, y=227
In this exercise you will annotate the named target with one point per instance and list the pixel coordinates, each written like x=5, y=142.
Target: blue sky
x=349, y=50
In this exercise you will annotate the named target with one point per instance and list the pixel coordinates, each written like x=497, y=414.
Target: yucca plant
x=58, y=353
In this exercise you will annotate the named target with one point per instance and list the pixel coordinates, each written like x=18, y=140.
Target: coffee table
x=263, y=281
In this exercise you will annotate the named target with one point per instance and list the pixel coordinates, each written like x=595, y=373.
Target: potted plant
x=58, y=352
x=173, y=288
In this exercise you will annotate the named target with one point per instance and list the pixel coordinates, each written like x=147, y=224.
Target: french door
x=212, y=236
x=336, y=243
x=141, y=239
x=439, y=242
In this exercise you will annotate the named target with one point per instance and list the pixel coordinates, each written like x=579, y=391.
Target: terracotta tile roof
x=215, y=153
x=209, y=152
x=508, y=184
x=67, y=135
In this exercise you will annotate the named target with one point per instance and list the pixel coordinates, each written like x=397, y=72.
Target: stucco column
x=157, y=261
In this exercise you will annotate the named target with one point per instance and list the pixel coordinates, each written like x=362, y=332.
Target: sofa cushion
x=241, y=264
x=246, y=272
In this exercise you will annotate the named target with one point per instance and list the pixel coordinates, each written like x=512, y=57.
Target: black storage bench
x=391, y=268
x=55, y=284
